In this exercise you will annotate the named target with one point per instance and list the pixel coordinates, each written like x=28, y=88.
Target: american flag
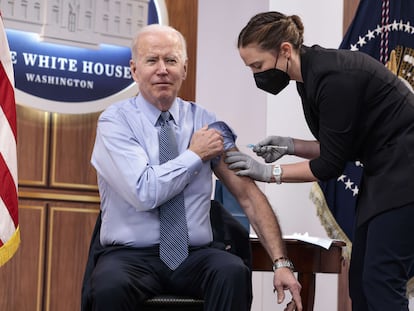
x=9, y=222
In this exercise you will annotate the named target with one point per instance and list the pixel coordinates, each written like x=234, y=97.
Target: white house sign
x=74, y=57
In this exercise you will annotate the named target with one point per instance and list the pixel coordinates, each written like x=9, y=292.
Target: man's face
x=159, y=68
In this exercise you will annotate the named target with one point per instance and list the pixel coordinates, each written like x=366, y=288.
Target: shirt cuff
x=192, y=161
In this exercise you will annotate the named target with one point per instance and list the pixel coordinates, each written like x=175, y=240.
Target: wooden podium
x=308, y=260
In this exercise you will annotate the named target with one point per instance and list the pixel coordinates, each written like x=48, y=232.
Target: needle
x=272, y=146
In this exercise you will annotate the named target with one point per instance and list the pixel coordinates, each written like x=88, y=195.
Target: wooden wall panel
x=33, y=141
x=69, y=234
x=73, y=138
x=182, y=15
x=22, y=276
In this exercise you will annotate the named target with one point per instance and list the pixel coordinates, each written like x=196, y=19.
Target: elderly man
x=154, y=155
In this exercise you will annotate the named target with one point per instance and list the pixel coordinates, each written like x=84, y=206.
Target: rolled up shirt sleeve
x=229, y=137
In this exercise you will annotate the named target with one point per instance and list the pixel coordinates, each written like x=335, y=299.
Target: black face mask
x=272, y=80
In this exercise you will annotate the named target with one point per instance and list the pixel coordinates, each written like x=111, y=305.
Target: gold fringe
x=9, y=249
x=328, y=221
x=392, y=63
x=410, y=287
x=334, y=231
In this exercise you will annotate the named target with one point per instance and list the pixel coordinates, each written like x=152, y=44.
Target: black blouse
x=353, y=105
x=359, y=110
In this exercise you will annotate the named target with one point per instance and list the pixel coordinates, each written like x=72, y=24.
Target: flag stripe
x=8, y=146
x=7, y=97
x=7, y=225
x=8, y=191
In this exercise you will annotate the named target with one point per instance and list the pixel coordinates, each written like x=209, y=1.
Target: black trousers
x=382, y=261
x=124, y=277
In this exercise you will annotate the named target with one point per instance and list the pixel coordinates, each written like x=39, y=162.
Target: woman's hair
x=269, y=29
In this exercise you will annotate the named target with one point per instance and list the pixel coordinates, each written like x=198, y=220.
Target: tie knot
x=165, y=116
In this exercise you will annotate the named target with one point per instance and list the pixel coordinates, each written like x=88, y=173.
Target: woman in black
x=357, y=110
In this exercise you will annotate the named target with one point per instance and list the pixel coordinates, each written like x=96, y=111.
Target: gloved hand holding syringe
x=273, y=148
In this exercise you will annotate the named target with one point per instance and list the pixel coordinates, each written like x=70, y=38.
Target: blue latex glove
x=273, y=148
x=244, y=165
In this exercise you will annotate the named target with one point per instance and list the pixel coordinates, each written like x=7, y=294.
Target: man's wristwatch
x=283, y=262
x=277, y=173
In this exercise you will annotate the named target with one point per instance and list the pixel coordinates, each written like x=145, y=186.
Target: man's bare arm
x=265, y=223
x=257, y=208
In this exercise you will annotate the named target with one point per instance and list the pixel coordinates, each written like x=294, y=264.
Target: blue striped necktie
x=173, y=224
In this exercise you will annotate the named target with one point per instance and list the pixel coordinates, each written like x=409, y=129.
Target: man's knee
x=235, y=275
x=109, y=284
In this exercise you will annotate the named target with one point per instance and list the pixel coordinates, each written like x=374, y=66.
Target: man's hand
x=246, y=166
x=284, y=279
x=207, y=143
x=273, y=148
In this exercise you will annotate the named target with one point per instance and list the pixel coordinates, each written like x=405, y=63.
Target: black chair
x=228, y=234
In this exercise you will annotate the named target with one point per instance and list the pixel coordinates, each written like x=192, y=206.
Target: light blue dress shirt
x=132, y=183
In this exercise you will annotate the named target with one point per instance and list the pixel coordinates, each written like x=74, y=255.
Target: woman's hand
x=244, y=165
x=273, y=148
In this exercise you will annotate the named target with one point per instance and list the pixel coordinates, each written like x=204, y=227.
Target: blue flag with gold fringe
x=383, y=29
